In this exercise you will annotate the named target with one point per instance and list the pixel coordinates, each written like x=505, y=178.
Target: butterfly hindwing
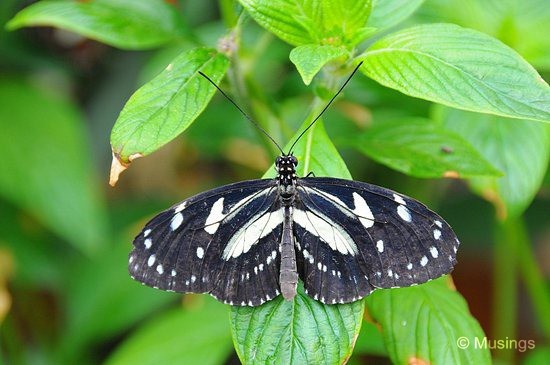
x=370, y=236
x=224, y=242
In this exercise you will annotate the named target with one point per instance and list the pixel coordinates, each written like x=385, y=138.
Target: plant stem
x=505, y=287
x=532, y=277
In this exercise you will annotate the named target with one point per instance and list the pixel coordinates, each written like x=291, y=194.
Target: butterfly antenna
x=242, y=112
x=326, y=106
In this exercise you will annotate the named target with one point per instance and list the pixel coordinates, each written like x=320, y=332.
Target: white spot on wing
x=434, y=252
x=173, y=273
x=148, y=243
x=363, y=211
x=146, y=232
x=193, y=278
x=390, y=272
x=404, y=213
x=399, y=199
x=215, y=217
x=410, y=266
x=160, y=269
x=151, y=260
x=380, y=246
x=438, y=223
x=180, y=207
x=423, y=261
x=200, y=252
x=437, y=234
x=176, y=221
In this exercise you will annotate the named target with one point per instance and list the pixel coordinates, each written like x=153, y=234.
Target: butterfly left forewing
x=223, y=242
x=388, y=240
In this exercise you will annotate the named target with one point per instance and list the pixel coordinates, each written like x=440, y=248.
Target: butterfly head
x=286, y=169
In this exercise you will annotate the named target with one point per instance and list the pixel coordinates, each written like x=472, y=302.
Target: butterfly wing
x=353, y=237
x=224, y=242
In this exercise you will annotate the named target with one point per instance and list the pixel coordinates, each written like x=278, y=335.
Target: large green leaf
x=302, y=330
x=521, y=24
x=387, y=13
x=427, y=324
x=421, y=148
x=163, y=108
x=299, y=22
x=198, y=335
x=127, y=24
x=46, y=167
x=461, y=68
x=519, y=148
x=310, y=58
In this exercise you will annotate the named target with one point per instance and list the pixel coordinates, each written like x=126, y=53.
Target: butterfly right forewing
x=354, y=237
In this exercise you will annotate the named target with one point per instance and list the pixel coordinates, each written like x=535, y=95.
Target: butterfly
x=248, y=242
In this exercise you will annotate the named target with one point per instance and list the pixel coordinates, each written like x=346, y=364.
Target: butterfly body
x=248, y=242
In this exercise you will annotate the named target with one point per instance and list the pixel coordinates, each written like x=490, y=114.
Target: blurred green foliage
x=65, y=295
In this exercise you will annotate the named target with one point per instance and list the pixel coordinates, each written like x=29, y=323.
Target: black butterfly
x=248, y=242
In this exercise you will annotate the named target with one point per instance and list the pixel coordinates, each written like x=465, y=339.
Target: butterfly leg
x=288, y=277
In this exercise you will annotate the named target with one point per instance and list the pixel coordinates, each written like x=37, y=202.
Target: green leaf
x=301, y=331
x=461, y=68
x=425, y=324
x=370, y=341
x=46, y=167
x=421, y=148
x=521, y=25
x=163, y=108
x=387, y=13
x=300, y=22
x=96, y=312
x=519, y=148
x=192, y=336
x=309, y=59
x=536, y=356
x=126, y=24
x=315, y=153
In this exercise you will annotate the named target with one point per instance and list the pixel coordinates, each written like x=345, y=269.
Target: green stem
x=532, y=277
x=505, y=287
x=241, y=93
x=227, y=12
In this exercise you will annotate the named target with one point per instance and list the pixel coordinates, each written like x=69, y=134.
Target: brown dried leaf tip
x=118, y=166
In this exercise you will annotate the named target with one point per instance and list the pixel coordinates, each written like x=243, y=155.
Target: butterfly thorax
x=286, y=177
